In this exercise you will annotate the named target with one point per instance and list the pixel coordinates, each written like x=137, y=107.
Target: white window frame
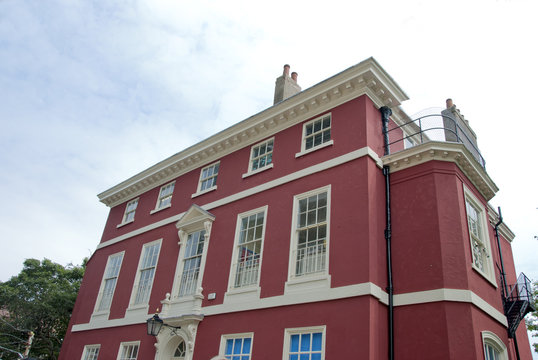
x=253, y=158
x=144, y=305
x=126, y=344
x=225, y=338
x=191, y=285
x=87, y=352
x=299, y=331
x=195, y=219
x=305, y=137
x=491, y=339
x=488, y=271
x=97, y=311
x=321, y=277
x=128, y=212
x=202, y=179
x=233, y=267
x=164, y=196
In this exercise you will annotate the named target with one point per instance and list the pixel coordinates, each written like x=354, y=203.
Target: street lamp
x=155, y=324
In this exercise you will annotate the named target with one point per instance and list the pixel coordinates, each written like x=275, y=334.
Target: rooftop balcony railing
x=434, y=126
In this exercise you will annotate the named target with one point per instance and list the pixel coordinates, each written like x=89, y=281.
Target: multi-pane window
x=307, y=344
x=261, y=155
x=491, y=353
x=208, y=177
x=246, y=267
x=91, y=352
x=128, y=351
x=130, y=210
x=317, y=132
x=165, y=196
x=474, y=220
x=109, y=281
x=311, y=234
x=147, y=272
x=191, y=263
x=494, y=348
x=237, y=347
x=180, y=351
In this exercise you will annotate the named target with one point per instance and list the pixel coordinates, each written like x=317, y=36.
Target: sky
x=93, y=92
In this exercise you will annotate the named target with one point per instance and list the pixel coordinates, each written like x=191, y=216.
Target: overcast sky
x=93, y=92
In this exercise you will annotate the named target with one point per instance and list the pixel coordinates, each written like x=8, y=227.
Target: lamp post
x=155, y=324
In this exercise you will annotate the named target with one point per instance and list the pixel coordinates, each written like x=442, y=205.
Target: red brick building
x=328, y=226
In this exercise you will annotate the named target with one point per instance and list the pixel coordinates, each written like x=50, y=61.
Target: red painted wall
x=431, y=250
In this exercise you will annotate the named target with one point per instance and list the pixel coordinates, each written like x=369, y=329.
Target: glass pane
x=294, y=343
x=294, y=357
x=305, y=357
x=327, y=122
x=246, y=345
x=237, y=346
x=309, y=129
x=316, y=342
x=302, y=205
x=309, y=142
x=229, y=346
x=317, y=139
x=316, y=356
x=305, y=342
x=322, y=214
x=317, y=126
x=311, y=217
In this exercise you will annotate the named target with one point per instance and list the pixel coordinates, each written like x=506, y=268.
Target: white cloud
x=93, y=92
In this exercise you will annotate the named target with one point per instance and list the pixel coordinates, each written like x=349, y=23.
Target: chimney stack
x=286, y=86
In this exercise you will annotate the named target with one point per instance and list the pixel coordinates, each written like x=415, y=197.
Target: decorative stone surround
x=444, y=151
x=365, y=78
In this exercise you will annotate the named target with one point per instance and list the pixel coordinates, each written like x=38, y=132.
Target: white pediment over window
x=193, y=218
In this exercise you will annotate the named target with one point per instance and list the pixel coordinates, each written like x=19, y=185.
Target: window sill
x=100, y=315
x=159, y=209
x=257, y=171
x=307, y=283
x=124, y=223
x=242, y=295
x=203, y=191
x=484, y=275
x=139, y=309
x=304, y=152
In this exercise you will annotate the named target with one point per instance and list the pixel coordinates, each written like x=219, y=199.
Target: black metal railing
x=432, y=127
x=518, y=303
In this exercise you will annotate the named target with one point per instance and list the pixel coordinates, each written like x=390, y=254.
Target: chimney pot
x=285, y=86
x=286, y=70
x=449, y=103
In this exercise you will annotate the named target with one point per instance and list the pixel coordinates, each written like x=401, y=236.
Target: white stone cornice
x=444, y=151
x=366, y=78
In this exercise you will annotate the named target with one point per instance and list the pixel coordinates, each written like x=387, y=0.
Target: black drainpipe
x=503, y=274
x=385, y=114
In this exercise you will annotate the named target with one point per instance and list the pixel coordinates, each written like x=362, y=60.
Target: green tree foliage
x=39, y=299
x=532, y=319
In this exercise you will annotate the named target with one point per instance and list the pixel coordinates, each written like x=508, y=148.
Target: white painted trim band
x=324, y=294
x=365, y=151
